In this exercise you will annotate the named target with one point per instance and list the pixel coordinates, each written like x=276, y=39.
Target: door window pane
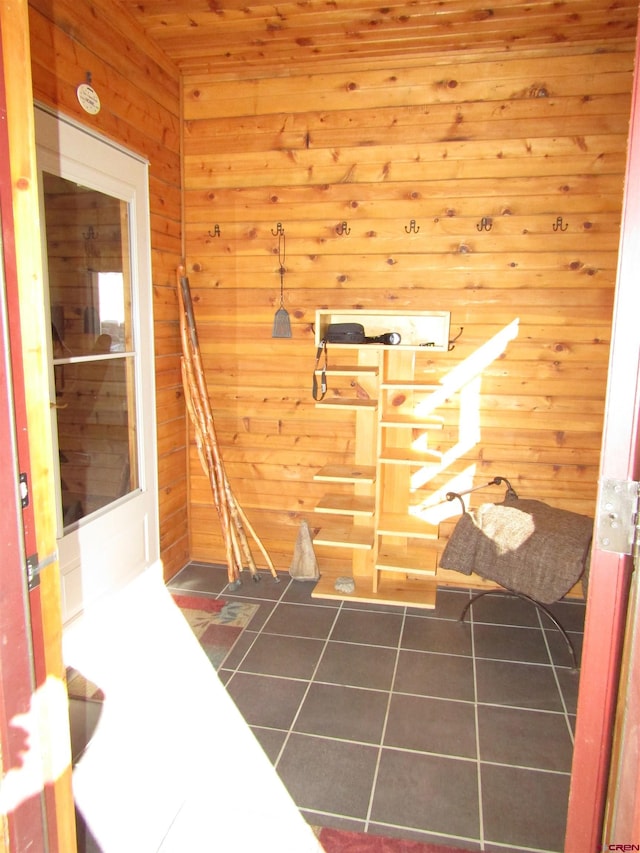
x=93, y=357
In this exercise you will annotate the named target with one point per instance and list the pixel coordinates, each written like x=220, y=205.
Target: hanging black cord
x=320, y=390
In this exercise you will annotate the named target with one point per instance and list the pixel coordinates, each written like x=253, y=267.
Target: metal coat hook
x=485, y=224
x=90, y=233
x=452, y=342
x=412, y=227
x=343, y=229
x=279, y=230
x=559, y=226
x=216, y=231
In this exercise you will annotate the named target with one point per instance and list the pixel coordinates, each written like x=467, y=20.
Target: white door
x=96, y=246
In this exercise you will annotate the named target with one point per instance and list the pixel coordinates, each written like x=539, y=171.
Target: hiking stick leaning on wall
x=233, y=520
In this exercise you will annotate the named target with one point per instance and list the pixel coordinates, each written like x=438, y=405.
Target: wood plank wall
x=140, y=94
x=487, y=185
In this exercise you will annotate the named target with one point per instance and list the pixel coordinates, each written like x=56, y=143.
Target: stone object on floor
x=304, y=566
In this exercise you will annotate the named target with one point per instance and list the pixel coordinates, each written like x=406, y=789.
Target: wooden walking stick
x=233, y=520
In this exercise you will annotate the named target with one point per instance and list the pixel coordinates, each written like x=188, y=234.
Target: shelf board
x=414, y=562
x=416, y=328
x=372, y=345
x=346, y=474
x=411, y=593
x=411, y=422
x=360, y=505
x=347, y=403
x=409, y=385
x=420, y=593
x=399, y=524
x=350, y=370
x=354, y=537
x=400, y=456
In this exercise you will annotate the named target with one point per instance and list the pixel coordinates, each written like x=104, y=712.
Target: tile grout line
x=236, y=668
x=477, y=726
x=374, y=781
x=557, y=680
x=310, y=681
x=409, y=751
x=343, y=642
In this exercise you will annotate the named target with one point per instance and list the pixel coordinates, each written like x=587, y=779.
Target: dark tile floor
x=407, y=722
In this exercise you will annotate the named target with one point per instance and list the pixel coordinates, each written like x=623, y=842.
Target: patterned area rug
x=216, y=623
x=341, y=841
x=80, y=687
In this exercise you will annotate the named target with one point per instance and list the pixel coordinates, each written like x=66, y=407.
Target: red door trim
x=610, y=573
x=606, y=612
x=25, y=821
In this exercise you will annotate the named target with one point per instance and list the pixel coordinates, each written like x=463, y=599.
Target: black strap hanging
x=319, y=390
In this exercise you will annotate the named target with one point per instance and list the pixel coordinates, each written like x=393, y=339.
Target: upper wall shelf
x=423, y=330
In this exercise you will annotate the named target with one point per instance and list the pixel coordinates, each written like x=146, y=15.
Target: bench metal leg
x=541, y=607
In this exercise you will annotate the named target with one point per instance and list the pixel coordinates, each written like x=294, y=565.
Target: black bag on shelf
x=345, y=333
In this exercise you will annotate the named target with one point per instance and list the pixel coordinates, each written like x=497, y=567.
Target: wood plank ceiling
x=247, y=37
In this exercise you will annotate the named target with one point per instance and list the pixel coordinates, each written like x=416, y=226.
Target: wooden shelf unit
x=372, y=516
